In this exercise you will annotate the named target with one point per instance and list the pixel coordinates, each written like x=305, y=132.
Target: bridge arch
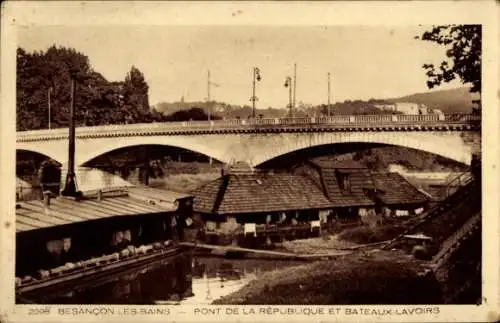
x=45, y=152
x=449, y=145
x=89, y=151
x=256, y=148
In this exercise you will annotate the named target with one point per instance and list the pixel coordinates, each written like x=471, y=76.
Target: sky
x=364, y=62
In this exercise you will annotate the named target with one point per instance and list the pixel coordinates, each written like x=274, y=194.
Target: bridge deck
x=334, y=123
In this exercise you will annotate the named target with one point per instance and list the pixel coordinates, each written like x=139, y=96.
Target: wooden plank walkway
x=265, y=252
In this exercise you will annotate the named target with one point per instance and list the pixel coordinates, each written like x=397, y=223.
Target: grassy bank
x=320, y=245
x=183, y=182
x=366, y=234
x=377, y=278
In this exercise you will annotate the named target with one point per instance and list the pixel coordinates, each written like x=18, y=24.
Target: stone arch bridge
x=257, y=141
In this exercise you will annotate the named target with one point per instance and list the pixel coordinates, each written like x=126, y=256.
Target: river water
x=184, y=279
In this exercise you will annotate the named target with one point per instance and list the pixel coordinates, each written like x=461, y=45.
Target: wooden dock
x=267, y=253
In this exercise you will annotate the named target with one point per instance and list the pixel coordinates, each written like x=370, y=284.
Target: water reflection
x=180, y=280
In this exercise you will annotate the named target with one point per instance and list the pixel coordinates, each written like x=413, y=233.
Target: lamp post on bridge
x=288, y=84
x=208, y=95
x=329, y=93
x=256, y=77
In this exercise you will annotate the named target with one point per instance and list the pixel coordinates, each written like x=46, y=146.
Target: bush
x=366, y=234
x=360, y=234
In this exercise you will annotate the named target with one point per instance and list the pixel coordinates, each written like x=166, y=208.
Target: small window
x=344, y=182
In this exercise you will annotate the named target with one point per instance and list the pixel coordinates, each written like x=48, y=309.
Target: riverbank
x=315, y=246
x=348, y=239
x=184, y=183
x=376, y=277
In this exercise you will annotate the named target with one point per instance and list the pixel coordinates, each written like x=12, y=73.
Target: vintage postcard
x=256, y=161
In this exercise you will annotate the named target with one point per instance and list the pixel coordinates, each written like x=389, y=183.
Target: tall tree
x=463, y=52
x=46, y=76
x=136, y=89
x=40, y=74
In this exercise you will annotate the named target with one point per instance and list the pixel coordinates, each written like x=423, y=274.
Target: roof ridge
x=221, y=193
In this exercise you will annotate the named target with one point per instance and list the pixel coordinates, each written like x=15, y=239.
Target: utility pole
x=49, y=91
x=256, y=77
x=328, y=107
x=209, y=106
x=70, y=184
x=294, y=83
x=208, y=95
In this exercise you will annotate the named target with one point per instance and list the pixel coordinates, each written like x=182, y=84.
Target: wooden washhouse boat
x=63, y=241
x=250, y=208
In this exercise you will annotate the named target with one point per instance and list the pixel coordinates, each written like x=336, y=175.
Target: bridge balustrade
x=245, y=123
x=341, y=119
x=375, y=119
x=406, y=118
x=292, y=121
x=227, y=122
x=267, y=121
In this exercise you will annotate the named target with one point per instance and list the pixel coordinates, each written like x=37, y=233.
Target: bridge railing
x=336, y=120
x=341, y=119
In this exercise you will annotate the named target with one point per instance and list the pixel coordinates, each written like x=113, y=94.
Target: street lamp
x=256, y=77
x=328, y=107
x=288, y=84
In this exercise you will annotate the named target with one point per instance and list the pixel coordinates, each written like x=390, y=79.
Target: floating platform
x=224, y=250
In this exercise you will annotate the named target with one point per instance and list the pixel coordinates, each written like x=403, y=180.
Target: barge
x=65, y=242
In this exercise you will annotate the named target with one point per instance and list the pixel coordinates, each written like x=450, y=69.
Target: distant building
x=390, y=107
x=406, y=108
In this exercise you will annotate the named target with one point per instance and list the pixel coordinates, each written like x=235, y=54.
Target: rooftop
x=358, y=177
x=392, y=188
x=258, y=192
x=130, y=201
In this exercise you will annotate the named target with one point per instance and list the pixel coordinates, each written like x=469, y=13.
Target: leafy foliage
x=463, y=43
x=41, y=75
x=191, y=114
x=232, y=111
x=135, y=89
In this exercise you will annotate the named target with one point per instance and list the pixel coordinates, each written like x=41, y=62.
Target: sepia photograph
x=250, y=164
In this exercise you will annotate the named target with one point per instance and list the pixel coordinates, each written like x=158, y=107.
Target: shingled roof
x=359, y=178
x=392, y=188
x=256, y=192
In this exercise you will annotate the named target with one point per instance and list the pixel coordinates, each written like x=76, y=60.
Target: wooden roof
x=392, y=188
x=32, y=215
x=256, y=192
x=359, y=178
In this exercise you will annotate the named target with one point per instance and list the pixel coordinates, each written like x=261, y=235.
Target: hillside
x=448, y=101
x=220, y=109
x=230, y=111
